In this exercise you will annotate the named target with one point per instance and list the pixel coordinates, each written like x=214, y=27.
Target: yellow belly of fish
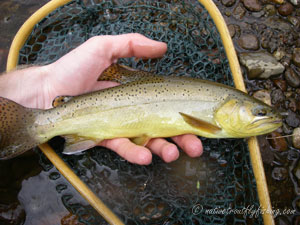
x=149, y=120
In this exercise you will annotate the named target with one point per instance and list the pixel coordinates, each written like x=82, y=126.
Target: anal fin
x=200, y=124
x=75, y=144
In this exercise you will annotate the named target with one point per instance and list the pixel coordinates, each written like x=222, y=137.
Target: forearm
x=26, y=86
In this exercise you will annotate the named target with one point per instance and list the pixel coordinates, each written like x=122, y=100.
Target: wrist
x=27, y=86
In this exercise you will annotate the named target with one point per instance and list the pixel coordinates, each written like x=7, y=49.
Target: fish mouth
x=264, y=125
x=264, y=121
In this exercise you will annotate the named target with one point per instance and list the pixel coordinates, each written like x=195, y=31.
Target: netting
x=177, y=193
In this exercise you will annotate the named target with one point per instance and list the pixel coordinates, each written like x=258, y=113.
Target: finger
x=137, y=45
x=166, y=150
x=129, y=151
x=191, y=144
x=130, y=45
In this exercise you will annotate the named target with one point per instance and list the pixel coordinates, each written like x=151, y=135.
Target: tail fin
x=16, y=129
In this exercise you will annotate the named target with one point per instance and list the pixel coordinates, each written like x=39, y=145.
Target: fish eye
x=260, y=112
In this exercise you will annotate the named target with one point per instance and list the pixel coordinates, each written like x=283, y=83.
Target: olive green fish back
x=176, y=193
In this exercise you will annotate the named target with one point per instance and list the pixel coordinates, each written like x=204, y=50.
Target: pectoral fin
x=75, y=144
x=200, y=124
x=143, y=140
x=59, y=100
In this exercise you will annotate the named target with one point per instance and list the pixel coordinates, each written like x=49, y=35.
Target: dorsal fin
x=123, y=74
x=59, y=100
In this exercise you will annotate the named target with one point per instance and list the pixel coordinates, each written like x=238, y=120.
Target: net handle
x=255, y=156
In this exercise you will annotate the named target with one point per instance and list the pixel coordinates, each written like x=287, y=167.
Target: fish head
x=247, y=117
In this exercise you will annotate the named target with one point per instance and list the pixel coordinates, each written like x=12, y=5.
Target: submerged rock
x=295, y=2
x=261, y=64
x=292, y=78
x=287, y=129
x=281, y=84
x=279, y=54
x=263, y=95
x=292, y=104
x=292, y=119
x=231, y=29
x=294, y=21
x=277, y=23
x=252, y=5
x=239, y=11
x=270, y=10
x=228, y=3
x=296, y=138
x=296, y=57
x=279, y=173
x=286, y=9
x=277, y=142
x=249, y=42
x=277, y=96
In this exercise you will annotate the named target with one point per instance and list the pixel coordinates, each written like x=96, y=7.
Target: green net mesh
x=175, y=193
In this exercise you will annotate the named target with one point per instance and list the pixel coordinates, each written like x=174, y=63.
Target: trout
x=145, y=106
